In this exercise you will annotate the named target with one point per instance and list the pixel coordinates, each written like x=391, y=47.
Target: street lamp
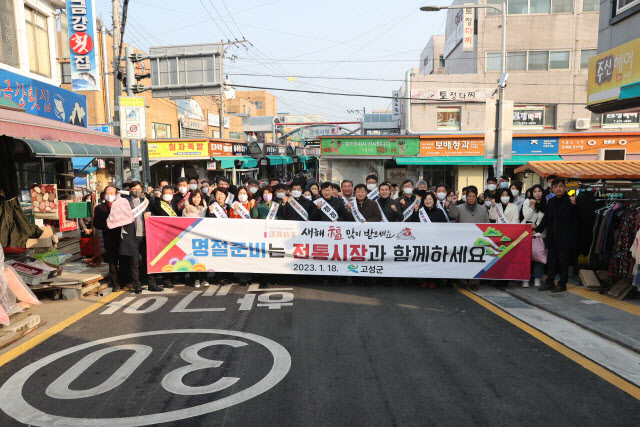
x=503, y=70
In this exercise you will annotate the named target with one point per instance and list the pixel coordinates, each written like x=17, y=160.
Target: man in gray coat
x=469, y=212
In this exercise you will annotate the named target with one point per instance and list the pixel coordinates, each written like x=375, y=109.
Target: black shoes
x=547, y=287
x=558, y=289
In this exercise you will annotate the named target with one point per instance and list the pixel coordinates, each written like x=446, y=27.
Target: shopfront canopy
x=226, y=162
x=247, y=162
x=42, y=148
x=280, y=160
x=593, y=169
x=521, y=160
x=444, y=160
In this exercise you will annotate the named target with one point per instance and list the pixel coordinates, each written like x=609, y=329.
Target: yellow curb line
x=28, y=345
x=621, y=305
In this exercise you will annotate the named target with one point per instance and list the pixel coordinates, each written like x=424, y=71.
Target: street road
x=328, y=354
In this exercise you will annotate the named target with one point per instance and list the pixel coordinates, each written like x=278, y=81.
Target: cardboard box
x=46, y=240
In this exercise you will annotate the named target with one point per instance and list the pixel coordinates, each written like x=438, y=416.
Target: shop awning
x=630, y=91
x=247, y=162
x=280, y=160
x=304, y=158
x=444, y=160
x=226, y=162
x=42, y=148
x=521, y=160
x=588, y=169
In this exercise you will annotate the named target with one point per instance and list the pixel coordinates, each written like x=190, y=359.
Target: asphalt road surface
x=324, y=354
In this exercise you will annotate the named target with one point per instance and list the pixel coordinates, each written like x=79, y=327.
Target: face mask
x=504, y=184
x=491, y=187
x=124, y=192
x=193, y=187
x=296, y=193
x=280, y=195
x=182, y=190
x=408, y=191
x=158, y=193
x=205, y=190
x=464, y=198
x=488, y=203
x=267, y=197
x=167, y=197
x=253, y=190
x=505, y=199
x=307, y=197
x=515, y=193
x=136, y=193
x=109, y=198
x=243, y=197
x=441, y=196
x=371, y=187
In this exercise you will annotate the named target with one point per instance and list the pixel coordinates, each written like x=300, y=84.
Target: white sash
x=230, y=198
x=244, y=213
x=444, y=211
x=356, y=212
x=140, y=208
x=346, y=201
x=374, y=194
x=407, y=212
x=299, y=209
x=218, y=211
x=273, y=211
x=423, y=215
x=501, y=217
x=384, y=218
x=328, y=210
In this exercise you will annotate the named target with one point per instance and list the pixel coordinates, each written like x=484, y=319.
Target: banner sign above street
x=452, y=146
x=390, y=146
x=85, y=72
x=133, y=117
x=452, y=94
x=174, y=150
x=611, y=71
x=592, y=143
x=468, y=29
x=455, y=251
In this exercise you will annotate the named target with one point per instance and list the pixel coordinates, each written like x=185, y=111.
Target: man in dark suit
x=560, y=220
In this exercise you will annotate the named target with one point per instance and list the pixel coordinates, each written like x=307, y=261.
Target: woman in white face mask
x=503, y=211
x=407, y=197
x=245, y=200
x=516, y=192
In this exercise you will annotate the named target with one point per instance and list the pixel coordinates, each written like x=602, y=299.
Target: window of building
x=585, y=56
x=516, y=61
x=518, y=7
x=448, y=118
x=596, y=120
x=622, y=5
x=494, y=11
x=528, y=116
x=538, y=60
x=590, y=5
x=540, y=6
x=621, y=120
x=550, y=116
x=9, y=47
x=441, y=61
x=258, y=105
x=38, y=42
x=559, y=60
x=236, y=135
x=160, y=130
x=65, y=72
x=494, y=61
x=562, y=6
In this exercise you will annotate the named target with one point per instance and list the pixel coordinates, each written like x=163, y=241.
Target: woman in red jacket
x=241, y=208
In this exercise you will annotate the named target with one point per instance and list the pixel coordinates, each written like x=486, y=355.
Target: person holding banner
x=469, y=212
x=181, y=197
x=389, y=209
x=330, y=208
x=163, y=206
x=267, y=208
x=504, y=211
x=429, y=211
x=241, y=208
x=362, y=209
x=296, y=207
x=218, y=207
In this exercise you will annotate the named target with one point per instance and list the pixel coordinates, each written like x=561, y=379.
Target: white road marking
x=181, y=307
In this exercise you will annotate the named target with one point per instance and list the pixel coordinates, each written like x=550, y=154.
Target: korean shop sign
x=534, y=145
x=611, y=70
x=179, y=150
x=591, y=143
x=275, y=150
x=528, y=117
x=85, y=74
x=391, y=146
x=220, y=149
x=456, y=146
x=240, y=149
x=451, y=94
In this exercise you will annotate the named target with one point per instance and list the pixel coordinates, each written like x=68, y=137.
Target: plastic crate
x=50, y=257
x=79, y=210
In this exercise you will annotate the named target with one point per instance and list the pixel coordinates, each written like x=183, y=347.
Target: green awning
x=444, y=160
x=304, y=158
x=59, y=149
x=249, y=163
x=226, y=162
x=280, y=160
x=521, y=160
x=630, y=91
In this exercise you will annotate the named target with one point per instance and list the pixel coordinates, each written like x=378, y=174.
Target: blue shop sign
x=44, y=100
x=101, y=128
x=533, y=145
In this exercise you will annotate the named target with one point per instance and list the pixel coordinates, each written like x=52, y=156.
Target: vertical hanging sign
x=467, y=34
x=85, y=75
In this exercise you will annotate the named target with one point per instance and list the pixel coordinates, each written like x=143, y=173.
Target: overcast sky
x=351, y=39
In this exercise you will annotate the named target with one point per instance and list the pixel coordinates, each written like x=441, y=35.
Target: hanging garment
x=15, y=228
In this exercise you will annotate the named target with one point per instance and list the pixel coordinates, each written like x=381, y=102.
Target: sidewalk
x=618, y=321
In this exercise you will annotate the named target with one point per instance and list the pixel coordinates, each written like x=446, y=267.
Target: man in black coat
x=368, y=209
x=110, y=237
x=560, y=220
x=390, y=209
x=288, y=212
x=336, y=203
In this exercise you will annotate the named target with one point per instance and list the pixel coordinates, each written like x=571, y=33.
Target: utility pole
x=117, y=88
x=221, y=109
x=133, y=143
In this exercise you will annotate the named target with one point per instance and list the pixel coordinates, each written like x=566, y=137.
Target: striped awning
x=588, y=169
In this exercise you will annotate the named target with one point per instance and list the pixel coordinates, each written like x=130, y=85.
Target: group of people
x=550, y=211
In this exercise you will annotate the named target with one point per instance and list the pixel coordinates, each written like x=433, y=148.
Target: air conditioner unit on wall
x=583, y=124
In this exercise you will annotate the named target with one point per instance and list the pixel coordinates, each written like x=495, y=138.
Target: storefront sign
x=275, y=150
x=264, y=162
x=133, y=117
x=591, y=143
x=534, y=145
x=220, y=149
x=193, y=124
x=211, y=166
x=611, y=70
x=240, y=149
x=214, y=121
x=85, y=74
x=66, y=224
x=448, y=118
x=617, y=120
x=44, y=100
x=396, y=105
x=528, y=117
x=100, y=128
x=456, y=251
x=460, y=146
x=451, y=94
x=467, y=33
x=303, y=151
x=178, y=150
x=392, y=146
